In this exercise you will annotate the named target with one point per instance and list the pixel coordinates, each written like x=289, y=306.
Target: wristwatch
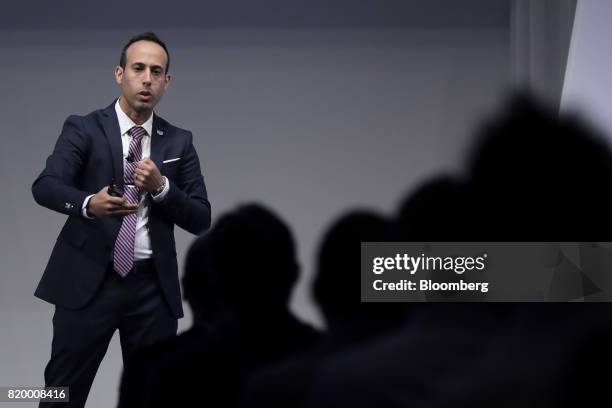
x=160, y=188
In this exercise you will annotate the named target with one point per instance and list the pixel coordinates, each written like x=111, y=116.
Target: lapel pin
x=160, y=132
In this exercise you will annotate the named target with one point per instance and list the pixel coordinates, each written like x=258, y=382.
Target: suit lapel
x=113, y=135
x=157, y=141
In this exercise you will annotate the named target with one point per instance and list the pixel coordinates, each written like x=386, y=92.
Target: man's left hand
x=147, y=176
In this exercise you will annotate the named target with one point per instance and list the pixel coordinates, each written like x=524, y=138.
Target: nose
x=146, y=79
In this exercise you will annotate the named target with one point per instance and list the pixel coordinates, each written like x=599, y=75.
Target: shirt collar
x=125, y=123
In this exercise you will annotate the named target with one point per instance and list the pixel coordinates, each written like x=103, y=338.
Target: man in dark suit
x=114, y=263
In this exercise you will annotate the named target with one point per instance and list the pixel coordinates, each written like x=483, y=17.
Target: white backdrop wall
x=588, y=80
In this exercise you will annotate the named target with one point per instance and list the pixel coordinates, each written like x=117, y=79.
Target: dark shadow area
x=349, y=322
x=531, y=176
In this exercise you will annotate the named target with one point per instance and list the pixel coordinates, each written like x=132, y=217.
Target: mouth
x=145, y=95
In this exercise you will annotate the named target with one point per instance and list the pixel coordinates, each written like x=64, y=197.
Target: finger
x=143, y=173
x=147, y=164
x=111, y=209
x=116, y=201
x=122, y=213
x=144, y=164
x=126, y=207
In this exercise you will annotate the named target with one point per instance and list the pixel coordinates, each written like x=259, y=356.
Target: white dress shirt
x=142, y=243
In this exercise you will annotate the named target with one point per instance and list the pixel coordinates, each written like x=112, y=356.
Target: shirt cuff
x=163, y=193
x=84, y=207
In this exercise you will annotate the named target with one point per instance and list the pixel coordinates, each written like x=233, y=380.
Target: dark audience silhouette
x=336, y=290
x=532, y=177
x=141, y=371
x=249, y=261
x=540, y=177
x=408, y=366
x=437, y=210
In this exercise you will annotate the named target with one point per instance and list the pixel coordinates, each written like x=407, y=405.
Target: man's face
x=144, y=79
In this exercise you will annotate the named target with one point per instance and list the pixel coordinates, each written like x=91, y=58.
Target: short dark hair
x=148, y=36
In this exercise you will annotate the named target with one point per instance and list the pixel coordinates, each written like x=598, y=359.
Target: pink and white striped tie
x=123, y=257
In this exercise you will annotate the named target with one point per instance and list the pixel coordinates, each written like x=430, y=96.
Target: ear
x=118, y=74
x=167, y=81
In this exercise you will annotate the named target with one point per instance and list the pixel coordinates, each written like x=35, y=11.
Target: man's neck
x=137, y=117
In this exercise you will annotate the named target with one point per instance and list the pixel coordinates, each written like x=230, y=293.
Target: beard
x=141, y=107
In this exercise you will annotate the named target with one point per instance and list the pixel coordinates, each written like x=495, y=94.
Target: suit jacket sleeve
x=55, y=186
x=186, y=203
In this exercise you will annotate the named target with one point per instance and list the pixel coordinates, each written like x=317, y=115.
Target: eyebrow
x=142, y=64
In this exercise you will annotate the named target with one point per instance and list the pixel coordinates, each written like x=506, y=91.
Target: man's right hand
x=102, y=204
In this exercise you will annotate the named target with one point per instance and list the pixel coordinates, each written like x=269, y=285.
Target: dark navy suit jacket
x=88, y=156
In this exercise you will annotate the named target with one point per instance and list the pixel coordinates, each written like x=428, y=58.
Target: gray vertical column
x=540, y=34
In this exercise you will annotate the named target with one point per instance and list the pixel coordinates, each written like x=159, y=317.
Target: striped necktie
x=123, y=257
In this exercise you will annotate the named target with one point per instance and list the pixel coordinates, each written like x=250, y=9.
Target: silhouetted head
x=435, y=211
x=199, y=289
x=539, y=177
x=254, y=260
x=337, y=287
x=438, y=211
